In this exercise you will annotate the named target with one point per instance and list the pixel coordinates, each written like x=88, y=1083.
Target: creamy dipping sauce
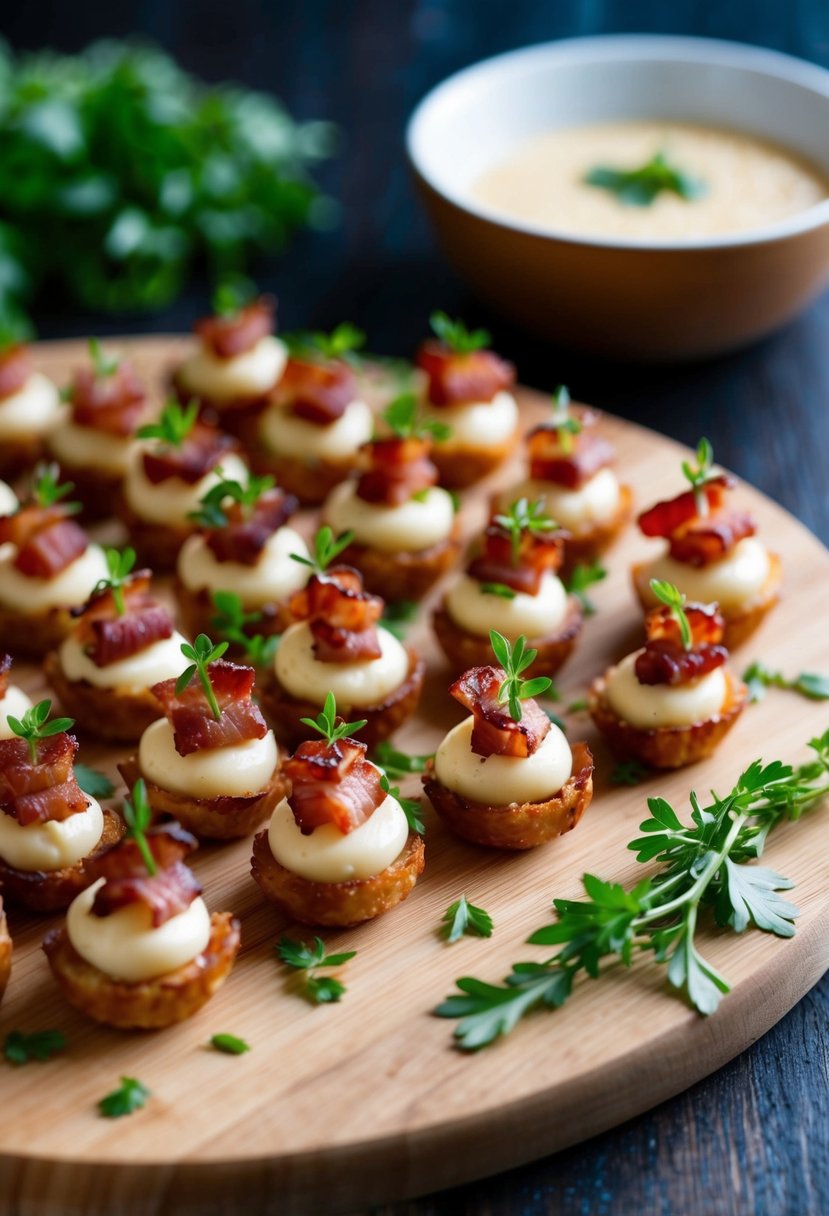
x=748, y=183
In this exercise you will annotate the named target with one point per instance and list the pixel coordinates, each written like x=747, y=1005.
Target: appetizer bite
x=139, y=950
x=511, y=586
x=339, y=849
x=29, y=407
x=243, y=545
x=506, y=776
x=210, y=762
x=571, y=470
x=671, y=703
x=94, y=437
x=468, y=390
x=712, y=554
x=13, y=700
x=338, y=646
x=405, y=532
x=48, y=567
x=316, y=422
x=168, y=475
x=48, y=825
x=122, y=642
x=5, y=950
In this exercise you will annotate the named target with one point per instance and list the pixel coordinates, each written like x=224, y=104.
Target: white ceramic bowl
x=643, y=300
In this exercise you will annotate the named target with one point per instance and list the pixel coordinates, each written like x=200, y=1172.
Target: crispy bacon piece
x=194, y=727
x=318, y=391
x=235, y=334
x=47, y=539
x=664, y=518
x=108, y=636
x=494, y=732
x=398, y=469
x=342, y=616
x=5, y=668
x=523, y=571
x=46, y=789
x=666, y=661
x=706, y=622
x=111, y=403
x=168, y=892
x=245, y=535
x=459, y=379
x=15, y=369
x=198, y=455
x=548, y=462
x=707, y=540
x=332, y=783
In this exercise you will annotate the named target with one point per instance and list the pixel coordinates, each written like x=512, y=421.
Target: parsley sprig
x=104, y=365
x=318, y=989
x=93, y=782
x=20, y=1048
x=174, y=424
x=130, y=1096
x=231, y=623
x=342, y=343
x=456, y=336
x=582, y=577
x=138, y=816
x=201, y=654
x=405, y=419
x=325, y=548
x=700, y=473
x=705, y=867
x=673, y=598
x=47, y=488
x=462, y=917
x=524, y=516
x=327, y=724
x=210, y=512
x=396, y=763
x=515, y=658
x=809, y=684
x=119, y=566
x=639, y=187
x=409, y=806
x=35, y=725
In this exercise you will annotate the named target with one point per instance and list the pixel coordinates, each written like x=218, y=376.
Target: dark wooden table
x=754, y=1138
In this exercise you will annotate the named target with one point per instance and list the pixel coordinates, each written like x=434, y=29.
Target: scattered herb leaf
x=809, y=684
x=130, y=1096
x=93, y=782
x=229, y=1044
x=461, y=918
x=319, y=990
x=581, y=578
x=40, y=1045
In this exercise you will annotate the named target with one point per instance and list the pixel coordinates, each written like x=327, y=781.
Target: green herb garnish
x=319, y=990
x=119, y=564
x=629, y=772
x=409, y=806
x=326, y=723
x=565, y=424
x=581, y=578
x=456, y=336
x=93, y=782
x=35, y=725
x=577, y=707
x=398, y=615
x=516, y=658
x=130, y=1096
x=211, y=512
x=500, y=589
x=229, y=1044
x=47, y=489
x=809, y=684
x=201, y=654
x=173, y=426
x=462, y=918
x=233, y=293
x=40, y=1045
x=326, y=548
x=405, y=418
x=700, y=473
x=103, y=365
x=342, y=343
x=673, y=598
x=524, y=516
x=138, y=816
x=231, y=623
x=640, y=187
x=398, y=764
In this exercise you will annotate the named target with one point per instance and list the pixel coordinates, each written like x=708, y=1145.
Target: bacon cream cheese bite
x=405, y=532
x=48, y=825
x=123, y=641
x=139, y=950
x=210, y=762
x=338, y=646
x=570, y=468
x=5, y=950
x=29, y=408
x=506, y=776
x=671, y=703
x=710, y=552
x=47, y=568
x=167, y=477
x=469, y=391
x=511, y=585
x=339, y=849
x=13, y=700
x=245, y=546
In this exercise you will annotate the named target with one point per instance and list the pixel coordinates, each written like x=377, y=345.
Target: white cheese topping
x=51, y=846
x=161, y=660
x=86, y=447
x=275, y=576
x=72, y=587
x=247, y=375
x=31, y=411
x=595, y=502
x=362, y=683
x=414, y=525
x=503, y=780
x=15, y=702
x=731, y=582
x=536, y=616
x=329, y=855
x=171, y=501
x=287, y=435
x=233, y=772
x=650, y=705
x=8, y=499
x=125, y=946
x=479, y=424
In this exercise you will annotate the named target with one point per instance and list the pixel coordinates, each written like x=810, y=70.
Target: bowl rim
x=615, y=47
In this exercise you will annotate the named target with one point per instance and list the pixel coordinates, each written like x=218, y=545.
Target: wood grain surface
x=367, y=1101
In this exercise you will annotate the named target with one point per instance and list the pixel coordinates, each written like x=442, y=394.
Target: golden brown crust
x=284, y=711
x=402, y=575
x=149, y=1004
x=95, y=489
x=197, y=610
x=465, y=650
x=311, y=482
x=17, y=456
x=223, y=818
x=51, y=891
x=523, y=825
x=157, y=545
x=338, y=904
x=118, y=715
x=5, y=951
x=666, y=746
x=740, y=622
x=587, y=544
x=36, y=633
x=460, y=466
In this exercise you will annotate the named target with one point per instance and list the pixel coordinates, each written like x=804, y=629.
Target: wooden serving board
x=341, y=1106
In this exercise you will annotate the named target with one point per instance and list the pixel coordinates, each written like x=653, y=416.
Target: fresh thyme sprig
x=20, y=1047
x=705, y=866
x=36, y=725
x=47, y=488
x=639, y=187
x=409, y=806
x=327, y=725
x=231, y=624
x=516, y=658
x=325, y=548
x=524, y=516
x=103, y=365
x=174, y=424
x=809, y=684
x=456, y=336
x=566, y=425
x=138, y=816
x=318, y=989
x=673, y=598
x=461, y=918
x=210, y=512
x=119, y=564
x=397, y=764
x=342, y=343
x=582, y=577
x=201, y=654
x=232, y=294
x=404, y=417
x=700, y=473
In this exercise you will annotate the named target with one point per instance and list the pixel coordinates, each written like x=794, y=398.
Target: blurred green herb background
x=120, y=172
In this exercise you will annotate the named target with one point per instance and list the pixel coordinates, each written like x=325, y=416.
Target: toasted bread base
x=118, y=715
x=284, y=712
x=149, y=1004
x=46, y=891
x=197, y=610
x=17, y=456
x=666, y=746
x=740, y=622
x=465, y=650
x=311, y=482
x=5, y=951
x=33, y=634
x=522, y=825
x=157, y=545
x=587, y=544
x=403, y=575
x=460, y=466
x=338, y=904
